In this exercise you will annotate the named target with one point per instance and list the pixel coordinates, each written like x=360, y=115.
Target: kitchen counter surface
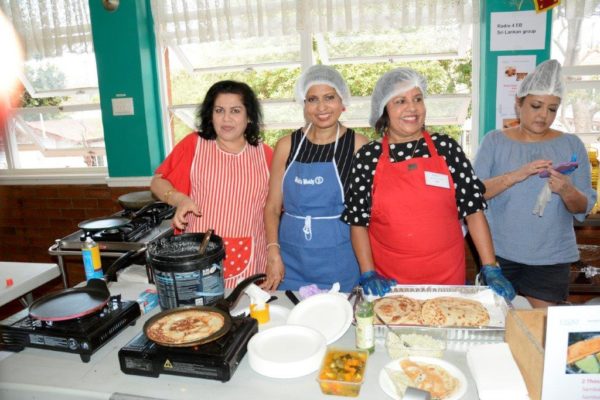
x=45, y=374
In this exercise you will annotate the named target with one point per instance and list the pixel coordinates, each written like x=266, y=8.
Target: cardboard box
x=525, y=335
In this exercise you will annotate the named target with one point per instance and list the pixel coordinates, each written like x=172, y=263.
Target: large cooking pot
x=182, y=275
x=182, y=320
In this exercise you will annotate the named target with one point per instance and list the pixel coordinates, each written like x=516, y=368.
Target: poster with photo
x=511, y=71
x=572, y=356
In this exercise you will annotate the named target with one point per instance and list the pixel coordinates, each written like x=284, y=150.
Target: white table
x=55, y=375
x=25, y=277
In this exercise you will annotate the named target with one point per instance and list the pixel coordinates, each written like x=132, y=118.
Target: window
x=267, y=44
x=576, y=44
x=58, y=125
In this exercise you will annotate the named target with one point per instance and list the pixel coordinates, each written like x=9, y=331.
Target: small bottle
x=365, y=331
x=91, y=259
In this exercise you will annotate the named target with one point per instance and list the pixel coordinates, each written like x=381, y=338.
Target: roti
x=454, y=311
x=582, y=349
x=433, y=378
x=398, y=310
x=183, y=327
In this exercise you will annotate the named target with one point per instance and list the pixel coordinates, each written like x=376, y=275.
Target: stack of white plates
x=286, y=351
x=298, y=348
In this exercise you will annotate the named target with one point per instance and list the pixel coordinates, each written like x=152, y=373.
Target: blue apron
x=315, y=243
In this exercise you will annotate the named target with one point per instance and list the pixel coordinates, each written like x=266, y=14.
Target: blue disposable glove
x=494, y=279
x=375, y=284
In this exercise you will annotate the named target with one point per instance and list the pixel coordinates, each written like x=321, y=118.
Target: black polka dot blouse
x=468, y=188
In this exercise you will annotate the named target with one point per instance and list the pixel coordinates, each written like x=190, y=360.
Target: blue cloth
x=518, y=234
x=315, y=243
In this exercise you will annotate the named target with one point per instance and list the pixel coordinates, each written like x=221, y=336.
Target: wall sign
x=519, y=30
x=511, y=71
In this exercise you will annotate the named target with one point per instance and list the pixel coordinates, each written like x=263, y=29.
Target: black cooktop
x=216, y=360
x=82, y=336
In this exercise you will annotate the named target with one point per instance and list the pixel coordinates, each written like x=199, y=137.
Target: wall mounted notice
x=519, y=30
x=511, y=71
x=572, y=357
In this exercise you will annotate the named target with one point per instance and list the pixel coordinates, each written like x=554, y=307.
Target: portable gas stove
x=216, y=360
x=150, y=223
x=81, y=335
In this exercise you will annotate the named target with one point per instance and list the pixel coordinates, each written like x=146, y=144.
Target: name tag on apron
x=435, y=179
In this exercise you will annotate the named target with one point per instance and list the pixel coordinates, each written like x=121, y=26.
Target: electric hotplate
x=216, y=360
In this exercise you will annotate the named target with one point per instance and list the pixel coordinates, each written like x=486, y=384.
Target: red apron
x=414, y=231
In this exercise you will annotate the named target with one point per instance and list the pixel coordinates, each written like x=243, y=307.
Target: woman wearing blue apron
x=307, y=243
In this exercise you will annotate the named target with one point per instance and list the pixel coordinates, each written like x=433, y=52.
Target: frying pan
x=136, y=200
x=221, y=307
x=99, y=224
x=74, y=303
x=71, y=303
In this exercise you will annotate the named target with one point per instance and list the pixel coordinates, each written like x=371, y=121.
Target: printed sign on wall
x=520, y=30
x=511, y=71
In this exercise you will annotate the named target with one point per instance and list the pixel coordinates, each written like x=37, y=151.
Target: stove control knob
x=85, y=346
x=72, y=344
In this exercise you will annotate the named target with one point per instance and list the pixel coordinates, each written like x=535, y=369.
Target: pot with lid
x=183, y=276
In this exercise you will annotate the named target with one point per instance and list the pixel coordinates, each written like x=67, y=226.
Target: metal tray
x=458, y=338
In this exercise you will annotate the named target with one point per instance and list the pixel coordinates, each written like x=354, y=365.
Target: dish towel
x=496, y=373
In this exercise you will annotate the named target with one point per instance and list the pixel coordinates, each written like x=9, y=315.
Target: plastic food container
x=343, y=372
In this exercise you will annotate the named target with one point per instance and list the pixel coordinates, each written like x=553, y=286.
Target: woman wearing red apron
x=408, y=194
x=218, y=178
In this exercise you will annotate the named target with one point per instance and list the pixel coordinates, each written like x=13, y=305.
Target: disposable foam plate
x=328, y=313
x=286, y=351
x=390, y=389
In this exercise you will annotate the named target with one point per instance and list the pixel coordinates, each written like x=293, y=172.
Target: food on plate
x=398, y=310
x=342, y=372
x=582, y=349
x=438, y=311
x=432, y=378
x=454, y=311
x=185, y=326
x=412, y=344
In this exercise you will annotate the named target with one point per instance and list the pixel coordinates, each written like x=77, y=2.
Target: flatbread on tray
x=454, y=311
x=398, y=310
x=185, y=327
x=438, y=311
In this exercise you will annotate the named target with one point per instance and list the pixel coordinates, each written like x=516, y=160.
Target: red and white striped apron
x=231, y=191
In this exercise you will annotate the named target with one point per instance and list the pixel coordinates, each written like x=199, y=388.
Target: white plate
x=390, y=389
x=328, y=313
x=286, y=351
x=277, y=316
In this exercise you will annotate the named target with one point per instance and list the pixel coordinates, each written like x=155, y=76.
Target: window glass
x=576, y=44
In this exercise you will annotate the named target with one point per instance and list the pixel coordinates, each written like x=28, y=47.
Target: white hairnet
x=322, y=75
x=546, y=79
x=394, y=83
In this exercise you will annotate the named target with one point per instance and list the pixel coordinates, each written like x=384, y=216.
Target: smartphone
x=564, y=167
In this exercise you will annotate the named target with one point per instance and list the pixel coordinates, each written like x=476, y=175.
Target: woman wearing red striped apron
x=409, y=192
x=218, y=178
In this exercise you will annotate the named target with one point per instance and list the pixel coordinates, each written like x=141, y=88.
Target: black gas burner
x=82, y=336
x=216, y=360
x=142, y=222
